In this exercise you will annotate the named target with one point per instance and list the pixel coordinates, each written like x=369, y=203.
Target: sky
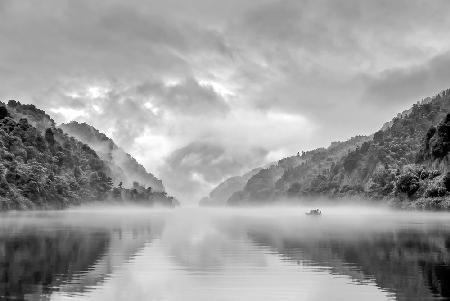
x=200, y=90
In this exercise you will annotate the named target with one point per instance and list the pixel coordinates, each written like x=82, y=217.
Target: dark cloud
x=190, y=97
x=343, y=27
x=66, y=39
x=186, y=96
x=406, y=85
x=220, y=80
x=128, y=110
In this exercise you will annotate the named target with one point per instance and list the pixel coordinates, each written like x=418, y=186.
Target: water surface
x=225, y=254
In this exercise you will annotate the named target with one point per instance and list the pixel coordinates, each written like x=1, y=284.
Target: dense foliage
x=141, y=195
x=42, y=167
x=406, y=163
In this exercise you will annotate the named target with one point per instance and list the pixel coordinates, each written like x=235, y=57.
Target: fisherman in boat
x=315, y=212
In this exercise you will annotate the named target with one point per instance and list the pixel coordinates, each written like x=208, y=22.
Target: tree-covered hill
x=287, y=177
x=406, y=162
x=42, y=167
x=123, y=166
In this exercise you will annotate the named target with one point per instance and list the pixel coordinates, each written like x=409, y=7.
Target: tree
x=49, y=136
x=294, y=189
x=378, y=136
x=408, y=183
x=3, y=112
x=446, y=181
x=77, y=172
x=351, y=161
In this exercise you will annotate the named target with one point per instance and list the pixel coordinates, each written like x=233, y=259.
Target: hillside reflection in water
x=225, y=254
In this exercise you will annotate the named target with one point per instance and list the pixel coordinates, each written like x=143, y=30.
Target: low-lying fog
x=270, y=253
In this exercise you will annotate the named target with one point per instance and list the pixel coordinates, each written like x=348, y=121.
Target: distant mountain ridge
x=222, y=192
x=233, y=187
x=124, y=167
x=406, y=163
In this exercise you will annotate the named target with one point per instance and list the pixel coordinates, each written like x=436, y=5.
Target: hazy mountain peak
x=124, y=167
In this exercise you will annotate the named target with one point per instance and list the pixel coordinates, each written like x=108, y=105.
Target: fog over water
x=272, y=253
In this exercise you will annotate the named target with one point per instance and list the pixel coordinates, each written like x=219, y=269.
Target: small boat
x=314, y=212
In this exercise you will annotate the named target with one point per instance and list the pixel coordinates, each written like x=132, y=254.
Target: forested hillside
x=124, y=168
x=405, y=163
x=42, y=167
x=289, y=175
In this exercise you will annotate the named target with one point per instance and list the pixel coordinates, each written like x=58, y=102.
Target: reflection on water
x=225, y=254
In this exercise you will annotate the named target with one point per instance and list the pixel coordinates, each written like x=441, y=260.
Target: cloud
x=239, y=78
x=199, y=165
x=406, y=85
x=185, y=96
x=127, y=110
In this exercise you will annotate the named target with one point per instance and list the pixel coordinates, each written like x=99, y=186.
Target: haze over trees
x=406, y=163
x=123, y=166
x=43, y=167
x=219, y=195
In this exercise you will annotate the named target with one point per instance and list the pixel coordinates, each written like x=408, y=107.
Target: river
x=349, y=253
